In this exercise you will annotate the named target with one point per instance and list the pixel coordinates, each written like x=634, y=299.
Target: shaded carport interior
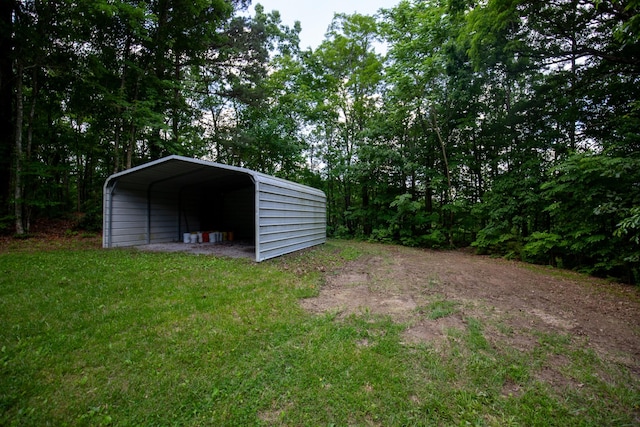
x=158, y=203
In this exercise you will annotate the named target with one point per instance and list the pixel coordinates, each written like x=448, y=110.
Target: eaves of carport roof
x=171, y=168
x=179, y=167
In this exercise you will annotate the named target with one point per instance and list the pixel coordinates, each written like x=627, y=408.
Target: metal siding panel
x=289, y=239
x=265, y=230
x=166, y=231
x=275, y=252
x=290, y=204
x=289, y=213
x=291, y=217
x=129, y=240
x=123, y=210
x=129, y=225
x=277, y=219
x=164, y=217
x=135, y=204
x=296, y=191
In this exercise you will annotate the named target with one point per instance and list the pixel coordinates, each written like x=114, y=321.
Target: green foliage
x=6, y=224
x=509, y=125
x=436, y=239
x=490, y=240
x=382, y=235
x=407, y=216
x=592, y=204
x=109, y=85
x=543, y=247
x=441, y=308
x=410, y=225
x=89, y=221
x=630, y=226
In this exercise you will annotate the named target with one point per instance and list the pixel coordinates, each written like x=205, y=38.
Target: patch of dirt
x=520, y=297
x=433, y=330
x=510, y=389
x=552, y=375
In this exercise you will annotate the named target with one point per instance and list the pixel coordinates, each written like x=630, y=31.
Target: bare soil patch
x=514, y=299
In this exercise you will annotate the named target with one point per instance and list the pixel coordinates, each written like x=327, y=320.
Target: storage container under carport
x=161, y=200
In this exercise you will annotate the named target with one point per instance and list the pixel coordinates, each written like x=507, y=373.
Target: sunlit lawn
x=120, y=337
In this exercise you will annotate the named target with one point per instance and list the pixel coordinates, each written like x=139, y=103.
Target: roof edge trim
x=256, y=176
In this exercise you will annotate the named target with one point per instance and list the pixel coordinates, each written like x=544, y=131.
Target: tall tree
x=248, y=88
x=347, y=75
x=7, y=9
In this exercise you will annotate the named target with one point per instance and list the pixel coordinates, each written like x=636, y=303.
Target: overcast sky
x=316, y=15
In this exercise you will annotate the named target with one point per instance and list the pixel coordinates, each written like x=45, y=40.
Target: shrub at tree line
x=512, y=126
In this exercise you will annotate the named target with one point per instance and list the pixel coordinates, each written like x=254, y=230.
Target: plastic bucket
x=205, y=237
x=186, y=237
x=193, y=238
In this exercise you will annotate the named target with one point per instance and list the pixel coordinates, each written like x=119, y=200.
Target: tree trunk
x=449, y=194
x=6, y=104
x=175, y=122
x=26, y=220
x=130, y=148
x=17, y=179
x=367, y=220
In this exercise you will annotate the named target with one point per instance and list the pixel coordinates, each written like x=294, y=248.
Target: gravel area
x=237, y=249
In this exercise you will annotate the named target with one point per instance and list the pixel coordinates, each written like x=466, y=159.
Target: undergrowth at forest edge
x=121, y=337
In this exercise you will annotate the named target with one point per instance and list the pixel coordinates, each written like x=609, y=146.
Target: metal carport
x=159, y=201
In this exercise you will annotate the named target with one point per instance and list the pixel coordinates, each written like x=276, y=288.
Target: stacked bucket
x=208, y=237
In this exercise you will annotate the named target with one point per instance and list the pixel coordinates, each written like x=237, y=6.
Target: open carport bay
x=158, y=202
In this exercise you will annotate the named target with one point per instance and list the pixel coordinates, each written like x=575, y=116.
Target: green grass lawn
x=121, y=337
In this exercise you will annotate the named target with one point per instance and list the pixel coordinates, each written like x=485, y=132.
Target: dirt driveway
x=402, y=282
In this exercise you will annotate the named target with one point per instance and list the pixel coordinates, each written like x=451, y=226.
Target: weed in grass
x=505, y=329
x=433, y=282
x=556, y=343
x=441, y=308
x=475, y=337
x=350, y=253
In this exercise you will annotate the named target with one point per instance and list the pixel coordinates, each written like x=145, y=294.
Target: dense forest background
x=512, y=126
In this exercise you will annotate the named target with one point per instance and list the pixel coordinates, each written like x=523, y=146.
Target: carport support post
x=109, y=190
x=256, y=236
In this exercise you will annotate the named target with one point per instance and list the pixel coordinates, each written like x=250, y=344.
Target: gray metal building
x=161, y=200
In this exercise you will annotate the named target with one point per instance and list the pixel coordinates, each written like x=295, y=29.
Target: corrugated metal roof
x=178, y=171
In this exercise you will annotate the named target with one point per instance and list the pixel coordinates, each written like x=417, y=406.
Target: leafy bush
x=543, y=248
x=437, y=239
x=383, y=235
x=592, y=202
x=493, y=241
x=6, y=224
x=341, y=232
x=91, y=220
